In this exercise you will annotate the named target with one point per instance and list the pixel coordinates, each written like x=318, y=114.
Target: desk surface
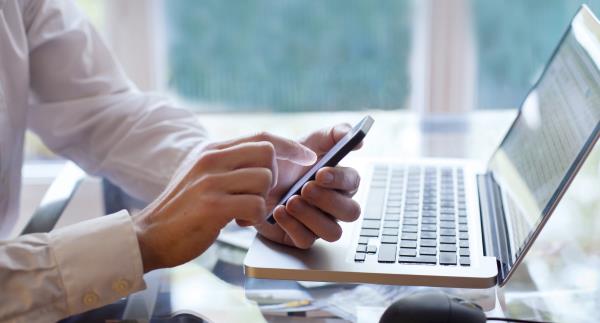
x=560, y=279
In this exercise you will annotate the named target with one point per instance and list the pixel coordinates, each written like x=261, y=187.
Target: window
x=515, y=39
x=289, y=55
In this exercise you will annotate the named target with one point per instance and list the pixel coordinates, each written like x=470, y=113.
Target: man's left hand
x=322, y=203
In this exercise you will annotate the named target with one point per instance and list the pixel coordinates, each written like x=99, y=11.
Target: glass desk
x=559, y=281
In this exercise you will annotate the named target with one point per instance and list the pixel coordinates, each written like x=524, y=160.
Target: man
x=58, y=79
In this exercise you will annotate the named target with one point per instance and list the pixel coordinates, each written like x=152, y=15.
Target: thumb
x=285, y=149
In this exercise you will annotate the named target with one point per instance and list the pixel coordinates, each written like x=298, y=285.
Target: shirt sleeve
x=48, y=276
x=85, y=109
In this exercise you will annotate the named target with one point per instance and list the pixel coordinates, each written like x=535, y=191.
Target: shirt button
x=90, y=298
x=121, y=286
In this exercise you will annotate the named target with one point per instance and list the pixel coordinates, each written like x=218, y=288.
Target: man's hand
x=322, y=202
x=228, y=181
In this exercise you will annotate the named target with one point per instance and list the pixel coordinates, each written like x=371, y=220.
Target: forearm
x=85, y=109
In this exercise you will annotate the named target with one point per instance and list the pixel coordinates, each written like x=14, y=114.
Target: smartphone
x=330, y=159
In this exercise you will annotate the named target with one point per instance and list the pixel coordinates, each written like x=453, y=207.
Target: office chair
x=62, y=190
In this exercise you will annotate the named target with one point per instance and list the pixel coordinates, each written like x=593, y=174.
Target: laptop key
x=363, y=240
x=418, y=260
x=390, y=232
x=447, y=239
x=371, y=224
x=389, y=239
x=369, y=232
x=428, y=220
x=391, y=224
x=428, y=235
x=410, y=228
x=410, y=221
x=464, y=243
x=411, y=215
x=447, y=217
x=430, y=213
x=464, y=252
x=447, y=232
x=393, y=217
x=361, y=248
x=463, y=235
x=359, y=256
x=394, y=204
x=465, y=261
x=408, y=244
x=447, y=258
x=393, y=210
x=428, y=243
x=448, y=247
x=447, y=225
x=429, y=227
x=371, y=249
x=463, y=228
x=387, y=253
x=409, y=236
x=408, y=252
x=428, y=251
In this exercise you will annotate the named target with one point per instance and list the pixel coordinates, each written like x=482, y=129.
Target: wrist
x=149, y=260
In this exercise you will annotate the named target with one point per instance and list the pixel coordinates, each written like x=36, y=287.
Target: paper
x=196, y=291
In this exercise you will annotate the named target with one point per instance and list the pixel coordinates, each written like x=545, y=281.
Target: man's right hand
x=229, y=181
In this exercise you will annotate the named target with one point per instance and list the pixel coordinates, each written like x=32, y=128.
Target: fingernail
x=311, y=156
x=327, y=178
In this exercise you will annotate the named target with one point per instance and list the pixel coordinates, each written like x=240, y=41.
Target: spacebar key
x=418, y=260
x=387, y=253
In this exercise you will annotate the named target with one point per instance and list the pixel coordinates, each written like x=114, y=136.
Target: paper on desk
x=365, y=300
x=196, y=291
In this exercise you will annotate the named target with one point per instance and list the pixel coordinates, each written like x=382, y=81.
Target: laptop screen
x=556, y=127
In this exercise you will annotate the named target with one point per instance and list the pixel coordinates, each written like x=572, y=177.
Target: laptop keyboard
x=415, y=215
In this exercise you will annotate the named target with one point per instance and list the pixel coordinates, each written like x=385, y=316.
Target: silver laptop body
x=458, y=223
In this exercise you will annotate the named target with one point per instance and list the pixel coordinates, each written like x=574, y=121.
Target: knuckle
x=208, y=182
x=211, y=202
x=257, y=208
x=263, y=136
x=336, y=233
x=267, y=149
x=266, y=178
x=294, y=205
x=208, y=159
x=354, y=211
x=309, y=190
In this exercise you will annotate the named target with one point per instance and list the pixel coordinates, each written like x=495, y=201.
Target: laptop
x=460, y=223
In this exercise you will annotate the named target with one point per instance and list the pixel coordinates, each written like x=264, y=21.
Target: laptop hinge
x=493, y=224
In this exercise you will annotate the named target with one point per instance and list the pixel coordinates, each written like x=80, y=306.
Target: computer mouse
x=432, y=307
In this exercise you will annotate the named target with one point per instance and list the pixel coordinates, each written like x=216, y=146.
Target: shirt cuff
x=99, y=261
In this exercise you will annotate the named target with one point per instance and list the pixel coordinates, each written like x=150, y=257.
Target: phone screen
x=330, y=159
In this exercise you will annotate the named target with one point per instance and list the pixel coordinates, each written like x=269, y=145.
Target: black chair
x=62, y=190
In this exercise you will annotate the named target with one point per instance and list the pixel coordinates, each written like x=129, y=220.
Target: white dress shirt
x=58, y=79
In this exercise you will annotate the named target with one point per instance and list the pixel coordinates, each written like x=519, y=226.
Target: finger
x=321, y=141
x=301, y=236
x=244, y=155
x=285, y=149
x=247, y=208
x=243, y=223
x=321, y=224
x=253, y=180
x=332, y=202
x=339, y=178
